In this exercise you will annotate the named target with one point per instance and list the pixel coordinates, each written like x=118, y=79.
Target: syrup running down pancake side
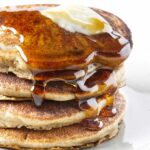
x=54, y=54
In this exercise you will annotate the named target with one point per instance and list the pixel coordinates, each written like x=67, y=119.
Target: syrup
x=89, y=106
x=101, y=80
x=46, y=46
x=38, y=93
x=93, y=124
x=108, y=111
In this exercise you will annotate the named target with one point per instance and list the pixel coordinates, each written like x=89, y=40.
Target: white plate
x=135, y=131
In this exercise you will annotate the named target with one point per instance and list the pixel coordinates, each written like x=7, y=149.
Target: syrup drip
x=38, y=93
x=108, y=111
x=99, y=79
x=93, y=124
x=90, y=106
x=96, y=124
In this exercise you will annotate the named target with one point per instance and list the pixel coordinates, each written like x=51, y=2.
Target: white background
x=135, y=134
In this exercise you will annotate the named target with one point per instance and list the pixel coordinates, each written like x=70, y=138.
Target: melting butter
x=75, y=18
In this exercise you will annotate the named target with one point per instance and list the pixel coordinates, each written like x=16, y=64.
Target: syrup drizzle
x=53, y=54
x=101, y=79
x=44, y=39
x=108, y=111
x=93, y=124
x=91, y=108
x=38, y=93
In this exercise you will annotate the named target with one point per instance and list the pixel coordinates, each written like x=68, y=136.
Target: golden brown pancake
x=11, y=61
x=33, y=56
x=73, y=136
x=51, y=114
x=15, y=88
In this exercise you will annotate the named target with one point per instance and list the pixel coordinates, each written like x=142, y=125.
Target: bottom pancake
x=73, y=136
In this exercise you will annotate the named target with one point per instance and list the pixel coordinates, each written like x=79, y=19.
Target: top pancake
x=11, y=60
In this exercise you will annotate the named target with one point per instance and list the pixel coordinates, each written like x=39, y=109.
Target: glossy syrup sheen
x=102, y=78
x=46, y=46
x=90, y=106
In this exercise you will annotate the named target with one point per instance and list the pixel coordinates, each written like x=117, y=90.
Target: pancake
x=18, y=89
x=71, y=75
x=51, y=114
x=74, y=136
x=11, y=60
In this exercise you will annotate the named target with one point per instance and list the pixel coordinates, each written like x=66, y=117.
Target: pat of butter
x=75, y=18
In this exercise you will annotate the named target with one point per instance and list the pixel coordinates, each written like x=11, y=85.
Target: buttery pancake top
x=44, y=45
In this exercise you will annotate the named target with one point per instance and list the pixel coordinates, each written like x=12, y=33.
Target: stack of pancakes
x=59, y=89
